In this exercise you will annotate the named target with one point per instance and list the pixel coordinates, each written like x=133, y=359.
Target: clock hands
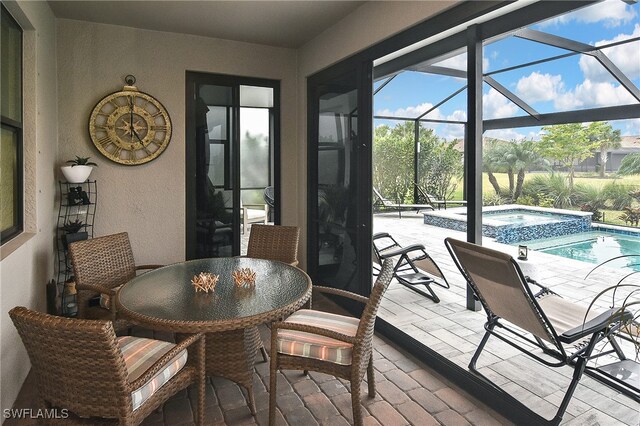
x=132, y=127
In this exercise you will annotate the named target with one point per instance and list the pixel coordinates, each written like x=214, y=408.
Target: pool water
x=519, y=218
x=596, y=247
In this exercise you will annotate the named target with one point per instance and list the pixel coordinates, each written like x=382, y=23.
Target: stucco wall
x=25, y=270
x=369, y=24
x=148, y=200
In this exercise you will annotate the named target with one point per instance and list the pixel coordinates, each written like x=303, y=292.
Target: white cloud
x=412, y=111
x=591, y=94
x=626, y=57
x=538, y=87
x=495, y=105
x=629, y=127
x=504, y=134
x=454, y=131
x=459, y=62
x=611, y=12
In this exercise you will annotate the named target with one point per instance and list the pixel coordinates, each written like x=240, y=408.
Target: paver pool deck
x=454, y=332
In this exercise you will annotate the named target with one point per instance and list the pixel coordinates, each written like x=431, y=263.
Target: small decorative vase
x=76, y=174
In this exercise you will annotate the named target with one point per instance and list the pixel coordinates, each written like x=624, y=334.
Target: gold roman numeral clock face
x=130, y=127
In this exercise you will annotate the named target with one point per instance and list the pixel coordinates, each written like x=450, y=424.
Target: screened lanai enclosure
x=531, y=108
x=420, y=100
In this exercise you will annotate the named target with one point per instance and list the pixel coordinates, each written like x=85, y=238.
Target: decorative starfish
x=244, y=277
x=205, y=282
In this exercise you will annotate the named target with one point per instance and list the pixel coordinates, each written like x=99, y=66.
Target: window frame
x=17, y=127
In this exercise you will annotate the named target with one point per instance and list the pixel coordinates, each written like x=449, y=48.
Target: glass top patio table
x=165, y=298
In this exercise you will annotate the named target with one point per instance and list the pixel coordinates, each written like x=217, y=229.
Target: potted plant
x=79, y=170
x=73, y=232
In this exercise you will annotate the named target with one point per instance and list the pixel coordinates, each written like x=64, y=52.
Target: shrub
x=596, y=213
x=618, y=195
x=493, y=199
x=554, y=187
x=630, y=216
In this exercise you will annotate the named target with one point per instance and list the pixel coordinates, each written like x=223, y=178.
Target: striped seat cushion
x=299, y=343
x=140, y=354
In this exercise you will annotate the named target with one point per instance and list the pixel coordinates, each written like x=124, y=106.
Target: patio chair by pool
x=333, y=344
x=414, y=267
x=431, y=199
x=390, y=205
x=565, y=333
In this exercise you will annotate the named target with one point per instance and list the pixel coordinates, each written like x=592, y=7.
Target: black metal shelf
x=67, y=212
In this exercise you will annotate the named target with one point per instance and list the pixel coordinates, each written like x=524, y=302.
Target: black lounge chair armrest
x=402, y=250
x=381, y=235
x=598, y=323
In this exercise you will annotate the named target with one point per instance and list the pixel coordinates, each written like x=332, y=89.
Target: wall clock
x=130, y=127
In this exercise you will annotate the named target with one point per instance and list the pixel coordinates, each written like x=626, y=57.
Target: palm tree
x=607, y=138
x=493, y=162
x=522, y=156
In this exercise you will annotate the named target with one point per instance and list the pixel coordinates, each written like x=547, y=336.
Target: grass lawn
x=591, y=179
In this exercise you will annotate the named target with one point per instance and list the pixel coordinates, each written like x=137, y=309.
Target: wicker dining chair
x=274, y=242
x=81, y=366
x=100, y=266
x=328, y=343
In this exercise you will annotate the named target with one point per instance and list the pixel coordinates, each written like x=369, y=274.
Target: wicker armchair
x=81, y=366
x=329, y=343
x=274, y=242
x=100, y=266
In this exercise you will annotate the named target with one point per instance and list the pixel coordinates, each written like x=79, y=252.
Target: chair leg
x=581, y=363
x=201, y=381
x=371, y=378
x=265, y=355
x=252, y=400
x=273, y=370
x=476, y=355
x=355, y=402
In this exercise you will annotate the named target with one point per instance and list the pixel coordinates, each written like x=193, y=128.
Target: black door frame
x=192, y=80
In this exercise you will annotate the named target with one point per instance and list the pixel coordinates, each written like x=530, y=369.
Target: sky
x=573, y=83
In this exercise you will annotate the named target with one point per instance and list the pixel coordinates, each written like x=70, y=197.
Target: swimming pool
x=594, y=247
x=514, y=223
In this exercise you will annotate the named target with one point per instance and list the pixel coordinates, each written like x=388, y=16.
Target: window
x=11, y=134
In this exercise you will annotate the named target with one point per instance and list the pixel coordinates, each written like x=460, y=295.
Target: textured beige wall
x=369, y=24
x=25, y=270
x=148, y=200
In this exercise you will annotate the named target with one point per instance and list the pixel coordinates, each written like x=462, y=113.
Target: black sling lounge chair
x=527, y=321
x=390, y=205
x=431, y=199
x=414, y=267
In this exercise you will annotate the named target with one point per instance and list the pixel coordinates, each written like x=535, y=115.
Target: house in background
x=628, y=145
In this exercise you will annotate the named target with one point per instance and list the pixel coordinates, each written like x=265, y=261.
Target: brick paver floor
x=408, y=393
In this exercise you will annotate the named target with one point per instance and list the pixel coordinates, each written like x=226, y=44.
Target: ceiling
x=275, y=23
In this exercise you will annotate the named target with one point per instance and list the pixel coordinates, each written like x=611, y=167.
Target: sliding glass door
x=339, y=189
x=232, y=147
